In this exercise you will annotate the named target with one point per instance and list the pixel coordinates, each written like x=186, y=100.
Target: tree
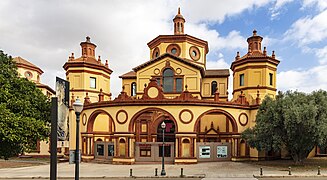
x=294, y=120
x=24, y=111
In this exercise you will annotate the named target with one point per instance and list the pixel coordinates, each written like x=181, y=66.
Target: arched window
x=213, y=87
x=168, y=80
x=133, y=89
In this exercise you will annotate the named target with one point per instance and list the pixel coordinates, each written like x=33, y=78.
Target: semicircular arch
x=94, y=115
x=156, y=122
x=227, y=114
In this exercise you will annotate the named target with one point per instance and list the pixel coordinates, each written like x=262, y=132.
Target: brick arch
x=156, y=122
x=93, y=116
x=230, y=117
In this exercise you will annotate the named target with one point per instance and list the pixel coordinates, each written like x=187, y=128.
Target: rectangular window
x=145, y=150
x=179, y=87
x=93, y=82
x=271, y=79
x=241, y=79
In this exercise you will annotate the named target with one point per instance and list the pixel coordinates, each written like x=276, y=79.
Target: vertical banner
x=62, y=93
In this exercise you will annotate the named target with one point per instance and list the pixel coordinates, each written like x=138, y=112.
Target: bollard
x=289, y=171
x=261, y=173
x=156, y=172
x=318, y=170
x=182, y=172
x=131, y=172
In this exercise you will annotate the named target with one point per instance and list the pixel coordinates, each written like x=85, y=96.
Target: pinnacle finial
x=88, y=39
x=254, y=32
x=179, y=10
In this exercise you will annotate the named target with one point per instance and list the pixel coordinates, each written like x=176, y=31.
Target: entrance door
x=169, y=137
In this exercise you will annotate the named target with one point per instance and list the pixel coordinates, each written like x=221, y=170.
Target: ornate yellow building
x=174, y=87
x=33, y=73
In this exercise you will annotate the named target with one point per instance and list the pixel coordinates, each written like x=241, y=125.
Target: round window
x=28, y=75
x=156, y=53
x=174, y=50
x=194, y=53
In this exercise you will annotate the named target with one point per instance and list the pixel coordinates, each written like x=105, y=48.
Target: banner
x=62, y=92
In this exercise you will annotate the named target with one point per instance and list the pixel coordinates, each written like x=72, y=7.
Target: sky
x=47, y=32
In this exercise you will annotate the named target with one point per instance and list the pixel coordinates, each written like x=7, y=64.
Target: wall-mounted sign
x=221, y=151
x=204, y=151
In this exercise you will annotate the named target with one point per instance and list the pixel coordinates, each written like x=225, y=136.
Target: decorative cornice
x=178, y=39
x=80, y=64
x=254, y=60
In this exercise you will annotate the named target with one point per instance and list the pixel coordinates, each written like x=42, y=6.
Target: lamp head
x=163, y=125
x=78, y=105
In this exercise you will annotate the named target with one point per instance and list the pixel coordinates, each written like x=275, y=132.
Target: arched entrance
x=217, y=134
x=98, y=140
x=146, y=125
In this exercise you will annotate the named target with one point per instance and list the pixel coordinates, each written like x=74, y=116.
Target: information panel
x=221, y=151
x=204, y=151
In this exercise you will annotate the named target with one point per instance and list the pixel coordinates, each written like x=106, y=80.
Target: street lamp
x=163, y=126
x=78, y=107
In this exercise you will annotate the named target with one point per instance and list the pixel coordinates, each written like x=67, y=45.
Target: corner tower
x=87, y=74
x=254, y=74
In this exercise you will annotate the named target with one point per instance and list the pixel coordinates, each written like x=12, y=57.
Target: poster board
x=204, y=151
x=222, y=151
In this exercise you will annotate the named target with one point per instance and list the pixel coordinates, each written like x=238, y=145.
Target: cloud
x=213, y=11
x=322, y=55
x=46, y=32
x=303, y=80
x=218, y=64
x=308, y=30
x=277, y=8
x=319, y=4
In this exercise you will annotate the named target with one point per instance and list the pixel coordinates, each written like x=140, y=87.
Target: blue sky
x=47, y=32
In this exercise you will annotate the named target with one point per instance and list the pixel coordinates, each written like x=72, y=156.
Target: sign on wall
x=221, y=151
x=204, y=151
x=62, y=92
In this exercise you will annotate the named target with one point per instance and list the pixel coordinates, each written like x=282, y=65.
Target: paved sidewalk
x=210, y=171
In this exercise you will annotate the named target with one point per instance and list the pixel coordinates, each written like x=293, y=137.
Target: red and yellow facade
x=174, y=87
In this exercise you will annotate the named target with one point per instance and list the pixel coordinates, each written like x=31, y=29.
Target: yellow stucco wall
x=80, y=82
x=192, y=76
x=185, y=48
x=254, y=74
x=21, y=72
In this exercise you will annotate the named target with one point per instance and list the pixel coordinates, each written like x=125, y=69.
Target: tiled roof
x=130, y=74
x=20, y=62
x=216, y=72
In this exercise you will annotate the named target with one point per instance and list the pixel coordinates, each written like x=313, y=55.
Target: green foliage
x=294, y=120
x=24, y=111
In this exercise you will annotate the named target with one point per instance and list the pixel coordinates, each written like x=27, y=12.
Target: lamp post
x=163, y=126
x=78, y=107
